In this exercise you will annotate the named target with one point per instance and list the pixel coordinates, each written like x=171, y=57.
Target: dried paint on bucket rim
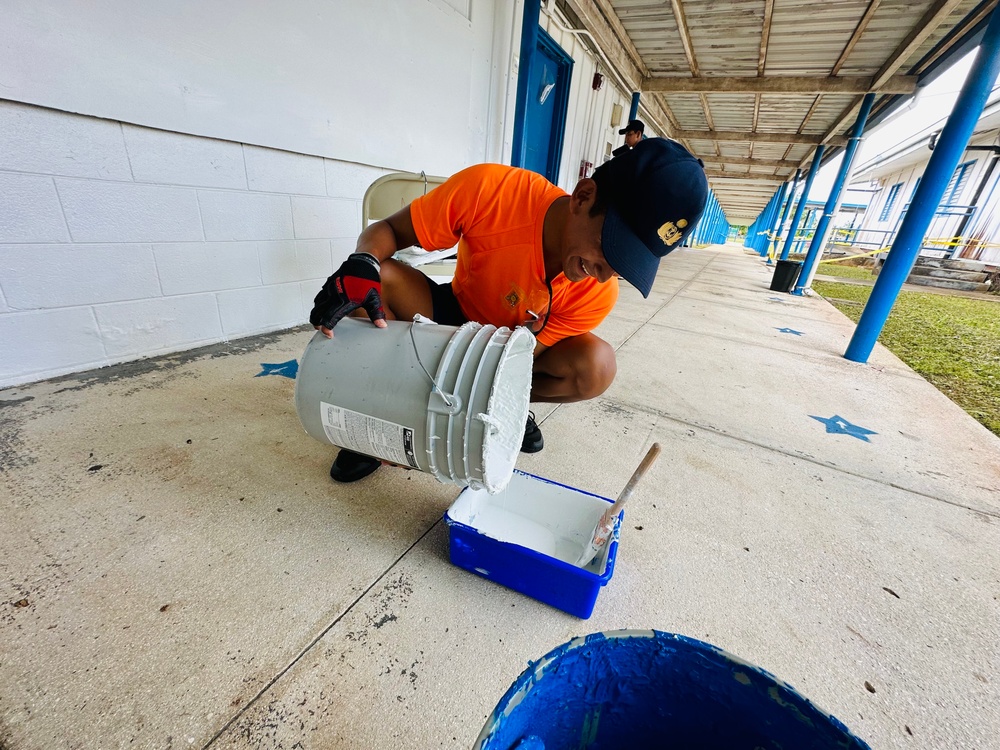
x=648, y=688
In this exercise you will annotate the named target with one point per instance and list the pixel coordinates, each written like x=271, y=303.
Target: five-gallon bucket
x=647, y=689
x=448, y=401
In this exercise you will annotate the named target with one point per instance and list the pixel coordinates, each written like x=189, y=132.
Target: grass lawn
x=954, y=342
x=846, y=272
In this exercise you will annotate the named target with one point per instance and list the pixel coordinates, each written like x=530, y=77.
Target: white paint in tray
x=554, y=520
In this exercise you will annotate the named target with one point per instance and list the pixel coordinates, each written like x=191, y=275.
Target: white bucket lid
x=507, y=412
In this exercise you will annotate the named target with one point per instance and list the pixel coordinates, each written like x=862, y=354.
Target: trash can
x=645, y=688
x=785, y=274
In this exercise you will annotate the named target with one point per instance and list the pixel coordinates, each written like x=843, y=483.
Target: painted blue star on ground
x=788, y=330
x=287, y=369
x=838, y=425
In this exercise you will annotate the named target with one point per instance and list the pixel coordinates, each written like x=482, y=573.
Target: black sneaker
x=532, y=442
x=350, y=466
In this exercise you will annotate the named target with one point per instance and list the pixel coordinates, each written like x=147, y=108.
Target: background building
x=966, y=223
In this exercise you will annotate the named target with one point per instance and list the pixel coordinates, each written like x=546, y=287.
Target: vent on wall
x=616, y=115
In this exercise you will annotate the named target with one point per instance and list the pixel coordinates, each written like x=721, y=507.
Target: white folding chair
x=391, y=192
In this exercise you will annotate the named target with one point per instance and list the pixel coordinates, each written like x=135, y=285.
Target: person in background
x=633, y=134
x=528, y=254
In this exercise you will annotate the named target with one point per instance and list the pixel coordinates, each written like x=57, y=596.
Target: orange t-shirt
x=496, y=213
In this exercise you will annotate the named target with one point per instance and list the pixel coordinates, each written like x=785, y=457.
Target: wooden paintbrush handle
x=647, y=461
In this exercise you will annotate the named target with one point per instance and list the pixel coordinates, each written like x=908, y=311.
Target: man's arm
x=358, y=281
x=385, y=237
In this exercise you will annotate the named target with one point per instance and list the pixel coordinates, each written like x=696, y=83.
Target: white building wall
x=118, y=242
x=175, y=179
x=984, y=229
x=405, y=84
x=942, y=230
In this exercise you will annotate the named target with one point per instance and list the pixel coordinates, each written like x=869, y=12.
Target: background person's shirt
x=496, y=214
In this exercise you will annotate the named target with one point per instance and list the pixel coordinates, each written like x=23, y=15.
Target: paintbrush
x=606, y=525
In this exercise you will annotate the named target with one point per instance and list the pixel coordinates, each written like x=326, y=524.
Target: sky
x=931, y=104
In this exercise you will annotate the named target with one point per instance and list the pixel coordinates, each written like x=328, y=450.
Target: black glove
x=355, y=284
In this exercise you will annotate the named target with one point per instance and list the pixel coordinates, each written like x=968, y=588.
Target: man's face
x=584, y=255
x=632, y=137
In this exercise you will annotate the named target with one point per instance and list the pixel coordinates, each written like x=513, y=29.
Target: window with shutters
x=957, y=183
x=887, y=208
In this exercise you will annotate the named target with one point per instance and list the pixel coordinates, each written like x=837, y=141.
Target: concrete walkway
x=179, y=571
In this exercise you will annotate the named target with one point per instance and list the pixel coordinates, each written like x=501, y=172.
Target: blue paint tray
x=528, y=538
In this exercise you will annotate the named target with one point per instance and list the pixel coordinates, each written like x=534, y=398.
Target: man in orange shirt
x=528, y=254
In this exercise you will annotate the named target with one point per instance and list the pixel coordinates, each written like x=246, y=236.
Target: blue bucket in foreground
x=648, y=689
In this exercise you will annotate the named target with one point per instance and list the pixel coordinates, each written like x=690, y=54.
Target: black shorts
x=447, y=311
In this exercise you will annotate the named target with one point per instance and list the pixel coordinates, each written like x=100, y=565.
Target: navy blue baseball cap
x=654, y=195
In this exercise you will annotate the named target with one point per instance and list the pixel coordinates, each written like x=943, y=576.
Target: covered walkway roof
x=753, y=86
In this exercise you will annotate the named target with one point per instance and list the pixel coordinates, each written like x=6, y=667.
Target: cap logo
x=670, y=232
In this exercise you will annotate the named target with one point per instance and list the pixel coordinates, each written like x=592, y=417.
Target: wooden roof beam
x=685, y=35
x=779, y=85
x=743, y=136
x=621, y=55
x=719, y=174
x=765, y=34
x=752, y=162
x=611, y=18
x=604, y=36
x=934, y=17
x=856, y=36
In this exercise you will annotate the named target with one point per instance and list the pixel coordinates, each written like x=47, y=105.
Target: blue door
x=540, y=121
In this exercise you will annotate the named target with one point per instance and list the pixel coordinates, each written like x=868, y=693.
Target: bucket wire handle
x=435, y=388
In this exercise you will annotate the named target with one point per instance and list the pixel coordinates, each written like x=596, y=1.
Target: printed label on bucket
x=365, y=434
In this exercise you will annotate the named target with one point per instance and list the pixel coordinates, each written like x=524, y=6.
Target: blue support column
x=773, y=224
x=816, y=248
x=699, y=230
x=713, y=206
x=703, y=236
x=788, y=206
x=712, y=218
x=940, y=168
x=757, y=224
x=767, y=221
x=753, y=239
x=748, y=240
x=718, y=220
x=813, y=169
x=634, y=109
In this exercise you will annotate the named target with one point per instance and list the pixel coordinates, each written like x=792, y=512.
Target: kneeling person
x=528, y=254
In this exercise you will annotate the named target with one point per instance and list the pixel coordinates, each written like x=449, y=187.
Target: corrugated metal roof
x=788, y=74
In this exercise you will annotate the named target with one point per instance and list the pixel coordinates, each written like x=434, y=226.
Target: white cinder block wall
x=119, y=242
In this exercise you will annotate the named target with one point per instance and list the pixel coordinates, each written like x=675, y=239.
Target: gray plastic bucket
x=628, y=689
x=371, y=391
